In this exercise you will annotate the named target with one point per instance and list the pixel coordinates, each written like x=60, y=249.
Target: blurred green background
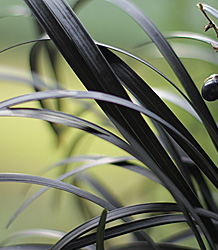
x=29, y=146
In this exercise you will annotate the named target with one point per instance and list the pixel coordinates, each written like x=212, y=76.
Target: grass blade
x=172, y=188
x=115, y=215
x=148, y=98
x=69, y=36
x=32, y=179
x=101, y=231
x=174, y=62
x=84, y=167
x=210, y=172
x=95, y=67
x=139, y=235
x=125, y=229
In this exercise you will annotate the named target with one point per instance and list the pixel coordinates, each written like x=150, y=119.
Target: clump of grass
x=171, y=157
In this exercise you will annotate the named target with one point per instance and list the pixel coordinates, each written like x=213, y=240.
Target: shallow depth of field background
x=29, y=146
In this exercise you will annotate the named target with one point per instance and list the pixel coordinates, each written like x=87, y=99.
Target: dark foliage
x=172, y=157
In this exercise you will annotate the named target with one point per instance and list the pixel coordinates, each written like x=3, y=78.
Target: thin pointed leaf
x=25, y=43
x=210, y=172
x=145, y=95
x=69, y=36
x=101, y=231
x=101, y=189
x=120, y=212
x=187, y=35
x=115, y=49
x=174, y=62
x=177, y=194
x=102, y=45
x=192, y=36
x=64, y=28
x=68, y=174
x=167, y=182
x=17, y=100
x=115, y=215
x=32, y=179
x=125, y=229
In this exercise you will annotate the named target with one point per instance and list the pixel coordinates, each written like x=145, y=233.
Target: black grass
x=171, y=157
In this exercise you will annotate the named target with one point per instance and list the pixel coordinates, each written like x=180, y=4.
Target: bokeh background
x=29, y=146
